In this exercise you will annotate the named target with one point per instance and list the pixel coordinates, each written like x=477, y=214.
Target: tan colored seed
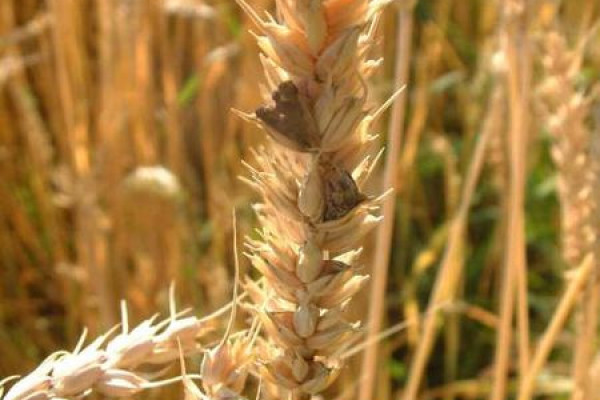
x=309, y=264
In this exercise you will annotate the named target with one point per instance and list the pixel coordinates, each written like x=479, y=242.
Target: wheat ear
x=574, y=150
x=112, y=365
x=566, y=110
x=314, y=214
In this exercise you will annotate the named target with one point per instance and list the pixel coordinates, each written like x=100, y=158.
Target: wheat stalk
x=314, y=214
x=514, y=50
x=384, y=234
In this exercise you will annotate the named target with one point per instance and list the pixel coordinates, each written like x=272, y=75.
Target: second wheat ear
x=314, y=213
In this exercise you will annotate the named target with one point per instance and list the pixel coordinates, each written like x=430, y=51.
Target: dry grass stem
x=577, y=282
x=451, y=270
x=385, y=230
x=514, y=47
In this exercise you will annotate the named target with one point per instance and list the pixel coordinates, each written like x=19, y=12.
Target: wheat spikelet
x=225, y=367
x=314, y=214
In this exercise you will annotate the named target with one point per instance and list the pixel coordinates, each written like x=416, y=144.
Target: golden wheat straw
x=577, y=282
x=385, y=230
x=451, y=270
x=514, y=50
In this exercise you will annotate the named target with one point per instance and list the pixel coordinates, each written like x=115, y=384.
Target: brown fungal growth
x=289, y=120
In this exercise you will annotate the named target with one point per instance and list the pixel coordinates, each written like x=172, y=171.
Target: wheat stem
x=581, y=275
x=451, y=267
x=385, y=230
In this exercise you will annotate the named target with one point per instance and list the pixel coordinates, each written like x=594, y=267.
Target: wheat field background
x=120, y=164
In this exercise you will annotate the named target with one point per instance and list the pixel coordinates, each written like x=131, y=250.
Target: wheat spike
x=314, y=213
x=567, y=110
x=112, y=364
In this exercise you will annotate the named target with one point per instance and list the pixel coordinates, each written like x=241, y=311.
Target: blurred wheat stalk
x=107, y=190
